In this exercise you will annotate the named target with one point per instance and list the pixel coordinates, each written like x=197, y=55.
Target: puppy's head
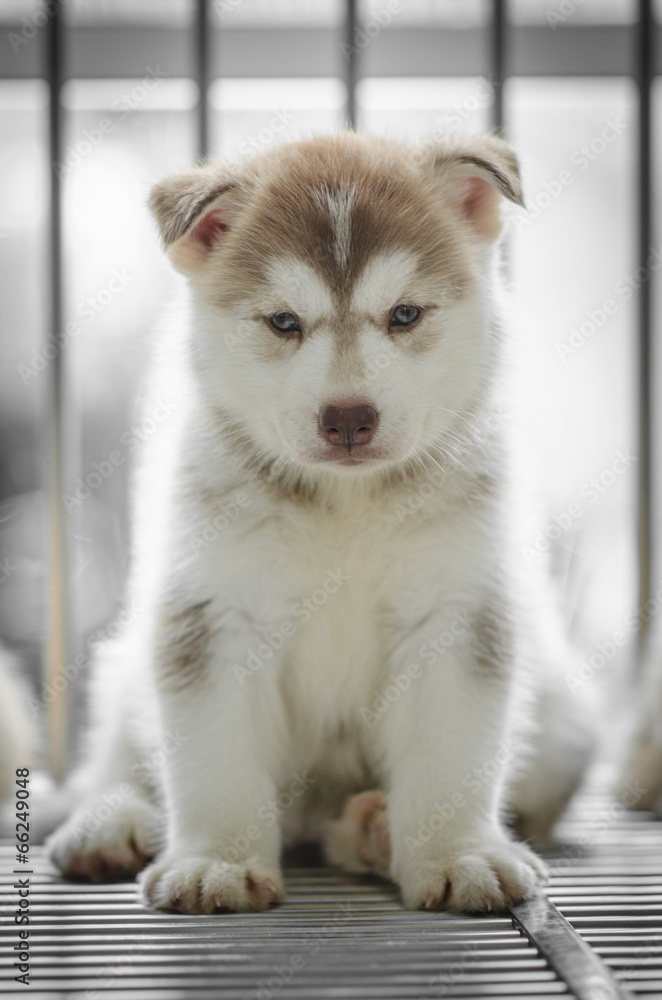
x=341, y=290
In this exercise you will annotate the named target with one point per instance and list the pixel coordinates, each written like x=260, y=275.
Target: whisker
x=460, y=416
x=422, y=464
x=433, y=460
x=453, y=459
x=451, y=447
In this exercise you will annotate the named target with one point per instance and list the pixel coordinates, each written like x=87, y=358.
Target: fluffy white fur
x=255, y=544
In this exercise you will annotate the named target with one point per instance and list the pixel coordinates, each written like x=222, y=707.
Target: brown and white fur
x=338, y=232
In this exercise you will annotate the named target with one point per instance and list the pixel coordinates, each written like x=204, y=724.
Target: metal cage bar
x=644, y=43
x=350, y=74
x=204, y=36
x=498, y=54
x=58, y=628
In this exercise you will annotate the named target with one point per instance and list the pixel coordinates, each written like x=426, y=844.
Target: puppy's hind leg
x=113, y=830
x=110, y=837
x=359, y=840
x=563, y=745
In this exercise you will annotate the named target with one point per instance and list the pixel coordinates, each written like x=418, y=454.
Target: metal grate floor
x=344, y=937
x=607, y=881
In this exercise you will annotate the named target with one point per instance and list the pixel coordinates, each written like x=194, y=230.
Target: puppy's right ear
x=195, y=210
x=472, y=175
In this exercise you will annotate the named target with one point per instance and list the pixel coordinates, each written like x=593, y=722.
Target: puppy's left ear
x=195, y=210
x=472, y=175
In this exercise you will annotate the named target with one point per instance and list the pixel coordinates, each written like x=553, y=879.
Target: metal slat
x=597, y=935
x=86, y=934
x=116, y=51
x=615, y=901
x=644, y=74
x=204, y=36
x=353, y=936
x=498, y=57
x=574, y=960
x=350, y=62
x=59, y=623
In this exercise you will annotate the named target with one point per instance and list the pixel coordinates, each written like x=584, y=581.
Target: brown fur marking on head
x=335, y=203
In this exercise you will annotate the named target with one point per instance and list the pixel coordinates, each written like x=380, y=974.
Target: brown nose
x=348, y=425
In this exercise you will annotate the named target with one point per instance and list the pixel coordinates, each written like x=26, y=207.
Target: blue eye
x=285, y=323
x=404, y=315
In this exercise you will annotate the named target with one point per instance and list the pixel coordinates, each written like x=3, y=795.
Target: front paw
x=200, y=884
x=103, y=843
x=482, y=876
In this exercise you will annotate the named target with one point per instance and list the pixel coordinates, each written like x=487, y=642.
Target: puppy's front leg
x=220, y=855
x=447, y=743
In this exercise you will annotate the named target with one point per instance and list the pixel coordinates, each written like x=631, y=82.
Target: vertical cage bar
x=58, y=633
x=644, y=76
x=203, y=39
x=349, y=50
x=497, y=59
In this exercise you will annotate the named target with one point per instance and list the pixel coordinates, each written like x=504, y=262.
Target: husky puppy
x=335, y=638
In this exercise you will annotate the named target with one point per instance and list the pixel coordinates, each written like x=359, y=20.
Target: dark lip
x=351, y=461
x=357, y=456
